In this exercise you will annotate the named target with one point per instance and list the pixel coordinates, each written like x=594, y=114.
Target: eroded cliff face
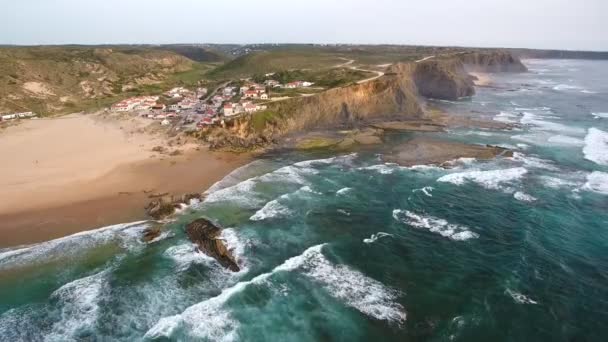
x=497, y=61
x=437, y=78
x=398, y=95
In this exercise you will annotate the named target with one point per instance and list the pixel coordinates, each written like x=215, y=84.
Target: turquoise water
x=345, y=247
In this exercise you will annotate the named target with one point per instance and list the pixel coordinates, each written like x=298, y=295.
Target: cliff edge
x=398, y=95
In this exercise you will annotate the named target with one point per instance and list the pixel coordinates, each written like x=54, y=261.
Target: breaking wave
x=597, y=182
x=596, y=146
x=520, y=298
x=211, y=320
x=126, y=236
x=493, y=179
x=435, y=225
x=522, y=196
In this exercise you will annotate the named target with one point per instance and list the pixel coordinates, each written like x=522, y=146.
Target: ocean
x=344, y=247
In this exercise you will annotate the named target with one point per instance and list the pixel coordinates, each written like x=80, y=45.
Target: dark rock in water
x=164, y=206
x=207, y=237
x=151, y=233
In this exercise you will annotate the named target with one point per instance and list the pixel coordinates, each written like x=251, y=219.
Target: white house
x=228, y=109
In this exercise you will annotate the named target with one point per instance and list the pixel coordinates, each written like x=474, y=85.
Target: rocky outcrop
x=496, y=61
x=207, y=237
x=166, y=205
x=419, y=151
x=444, y=79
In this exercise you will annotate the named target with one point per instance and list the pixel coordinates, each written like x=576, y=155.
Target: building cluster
x=196, y=107
x=135, y=103
x=13, y=116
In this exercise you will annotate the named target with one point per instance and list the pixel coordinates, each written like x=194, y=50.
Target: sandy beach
x=63, y=175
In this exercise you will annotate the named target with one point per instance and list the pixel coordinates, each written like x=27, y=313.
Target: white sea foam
x=272, y=209
x=375, y=237
x=234, y=243
x=506, y=117
x=540, y=124
x=600, y=115
x=79, y=307
x=566, y=140
x=520, y=298
x=596, y=146
x=277, y=208
x=126, y=235
x=237, y=176
x=426, y=190
x=522, y=196
x=344, y=159
x=353, y=288
x=186, y=254
x=493, y=179
x=597, y=182
x=561, y=87
x=534, y=162
x=343, y=191
x=385, y=169
x=557, y=183
x=244, y=193
x=435, y=225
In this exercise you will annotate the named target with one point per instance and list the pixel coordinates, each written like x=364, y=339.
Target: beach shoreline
x=81, y=172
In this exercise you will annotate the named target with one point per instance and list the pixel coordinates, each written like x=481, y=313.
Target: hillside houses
x=244, y=106
x=13, y=116
x=177, y=92
x=298, y=84
x=135, y=103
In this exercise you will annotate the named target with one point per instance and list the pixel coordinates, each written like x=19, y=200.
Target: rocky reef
x=165, y=205
x=420, y=151
x=207, y=237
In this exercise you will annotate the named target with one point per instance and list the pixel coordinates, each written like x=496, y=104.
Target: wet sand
x=65, y=175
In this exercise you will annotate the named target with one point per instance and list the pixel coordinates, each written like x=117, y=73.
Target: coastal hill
x=49, y=80
x=65, y=79
x=396, y=96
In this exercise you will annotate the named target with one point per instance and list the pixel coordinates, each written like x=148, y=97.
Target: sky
x=543, y=24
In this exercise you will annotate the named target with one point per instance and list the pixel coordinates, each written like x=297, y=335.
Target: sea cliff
x=398, y=95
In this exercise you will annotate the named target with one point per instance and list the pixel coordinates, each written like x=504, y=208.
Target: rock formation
x=396, y=96
x=164, y=206
x=207, y=237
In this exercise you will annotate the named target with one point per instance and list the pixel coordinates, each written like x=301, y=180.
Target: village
x=199, y=108
x=195, y=109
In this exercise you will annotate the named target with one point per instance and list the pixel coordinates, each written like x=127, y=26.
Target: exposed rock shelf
x=208, y=239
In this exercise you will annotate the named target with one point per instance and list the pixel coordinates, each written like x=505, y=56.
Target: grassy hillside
x=262, y=62
x=51, y=80
x=196, y=53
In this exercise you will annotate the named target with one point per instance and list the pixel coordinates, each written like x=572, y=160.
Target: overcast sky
x=563, y=24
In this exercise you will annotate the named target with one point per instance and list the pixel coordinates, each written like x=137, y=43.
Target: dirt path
x=424, y=59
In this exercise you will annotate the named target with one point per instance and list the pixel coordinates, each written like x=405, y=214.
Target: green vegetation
x=317, y=143
x=328, y=78
x=270, y=61
x=259, y=120
x=59, y=79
